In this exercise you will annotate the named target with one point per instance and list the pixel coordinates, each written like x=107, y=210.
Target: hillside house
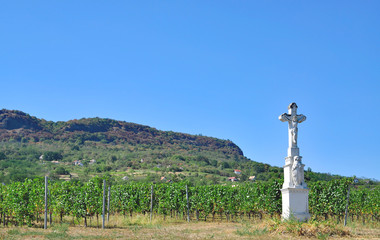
x=236, y=171
x=233, y=179
x=92, y=161
x=77, y=163
x=252, y=178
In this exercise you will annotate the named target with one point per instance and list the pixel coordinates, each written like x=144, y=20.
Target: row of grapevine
x=203, y=200
x=23, y=202
x=365, y=202
x=328, y=198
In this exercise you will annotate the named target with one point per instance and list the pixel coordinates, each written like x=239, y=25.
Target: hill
x=82, y=148
x=22, y=127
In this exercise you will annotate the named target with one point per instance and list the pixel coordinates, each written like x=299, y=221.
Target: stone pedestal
x=295, y=198
x=295, y=204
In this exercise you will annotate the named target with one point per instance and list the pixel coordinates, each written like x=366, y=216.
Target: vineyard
x=23, y=202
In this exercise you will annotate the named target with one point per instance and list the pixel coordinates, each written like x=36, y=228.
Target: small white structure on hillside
x=77, y=163
x=233, y=179
x=252, y=178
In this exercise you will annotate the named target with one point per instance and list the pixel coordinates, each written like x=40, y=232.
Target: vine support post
x=104, y=203
x=346, y=212
x=108, y=203
x=187, y=200
x=151, y=203
x=46, y=202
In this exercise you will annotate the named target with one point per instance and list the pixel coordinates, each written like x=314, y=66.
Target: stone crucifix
x=295, y=193
x=293, y=119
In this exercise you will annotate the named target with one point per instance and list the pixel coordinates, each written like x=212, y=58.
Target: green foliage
x=365, y=201
x=61, y=171
x=23, y=202
x=329, y=198
x=51, y=156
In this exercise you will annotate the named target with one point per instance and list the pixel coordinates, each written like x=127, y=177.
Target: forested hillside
x=80, y=149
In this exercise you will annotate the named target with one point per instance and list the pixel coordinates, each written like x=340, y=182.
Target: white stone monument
x=295, y=194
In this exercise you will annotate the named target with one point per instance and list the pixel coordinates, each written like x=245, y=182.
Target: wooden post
x=46, y=197
x=187, y=199
x=108, y=203
x=151, y=203
x=346, y=212
x=104, y=203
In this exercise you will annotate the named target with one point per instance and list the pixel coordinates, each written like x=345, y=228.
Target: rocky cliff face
x=20, y=126
x=11, y=119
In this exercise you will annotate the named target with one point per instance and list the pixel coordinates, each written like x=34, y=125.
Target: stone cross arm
x=287, y=117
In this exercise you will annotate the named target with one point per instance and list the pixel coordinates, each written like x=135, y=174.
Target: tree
x=61, y=171
x=51, y=156
x=113, y=158
x=224, y=165
x=259, y=168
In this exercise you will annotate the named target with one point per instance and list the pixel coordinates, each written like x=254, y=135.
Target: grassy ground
x=140, y=227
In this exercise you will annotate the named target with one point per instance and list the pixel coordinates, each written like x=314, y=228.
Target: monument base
x=295, y=204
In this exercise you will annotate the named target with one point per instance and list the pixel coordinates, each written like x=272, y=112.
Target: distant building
x=92, y=161
x=163, y=178
x=125, y=178
x=56, y=162
x=233, y=179
x=42, y=157
x=77, y=163
x=236, y=171
x=252, y=178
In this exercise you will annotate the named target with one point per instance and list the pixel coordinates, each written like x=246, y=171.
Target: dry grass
x=140, y=227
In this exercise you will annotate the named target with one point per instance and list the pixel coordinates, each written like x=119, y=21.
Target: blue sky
x=225, y=69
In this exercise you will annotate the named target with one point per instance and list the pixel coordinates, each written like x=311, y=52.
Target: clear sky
x=225, y=69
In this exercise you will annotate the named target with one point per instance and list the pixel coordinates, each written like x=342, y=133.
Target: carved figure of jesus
x=293, y=119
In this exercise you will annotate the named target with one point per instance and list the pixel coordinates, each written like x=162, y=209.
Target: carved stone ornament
x=297, y=171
